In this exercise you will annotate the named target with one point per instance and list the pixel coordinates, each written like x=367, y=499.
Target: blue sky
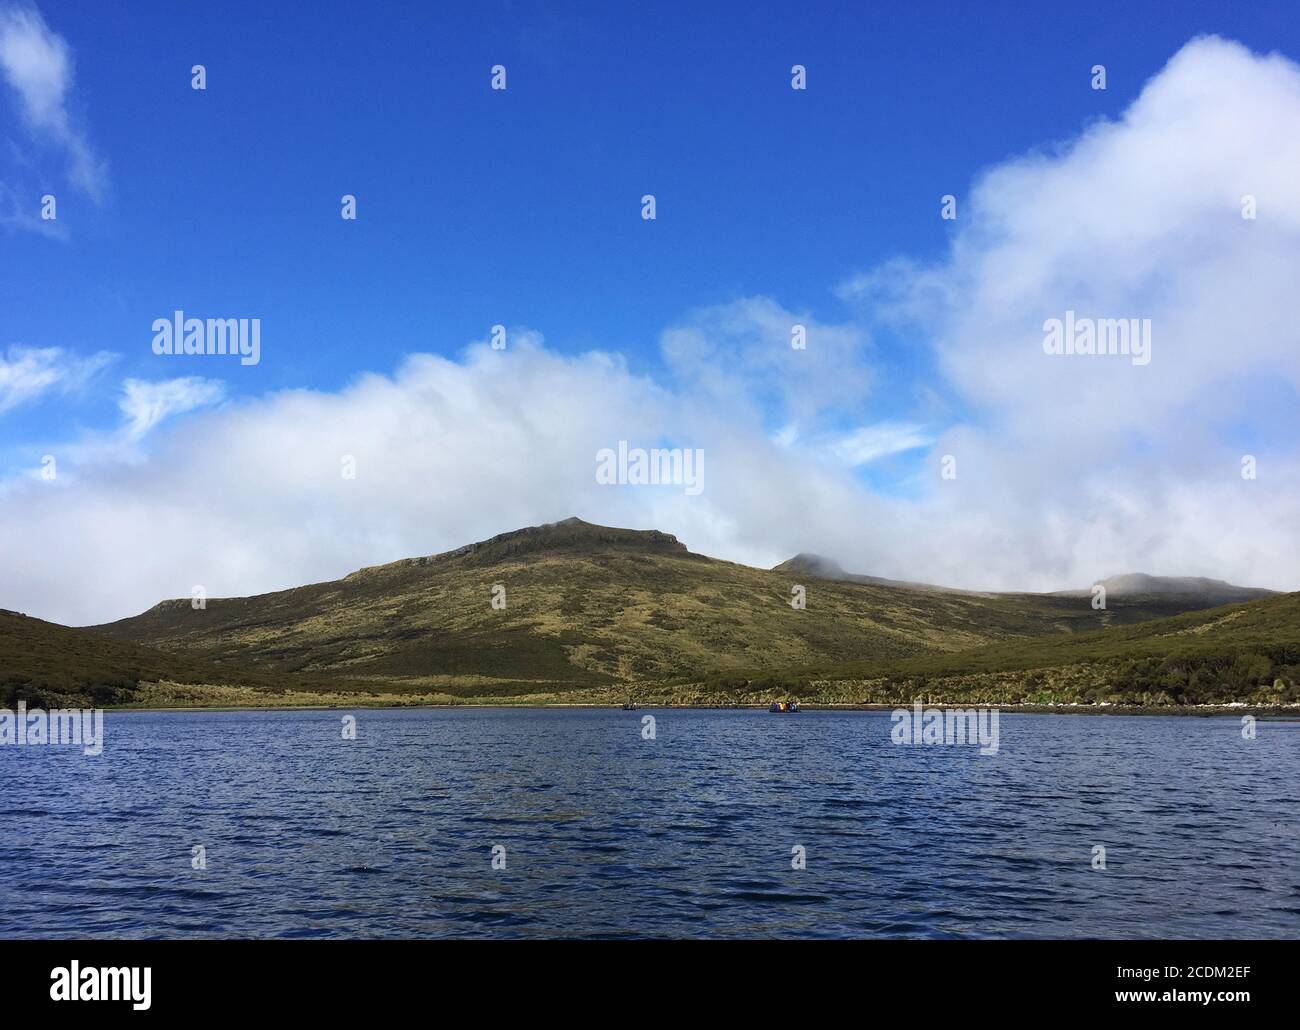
x=478, y=207
x=522, y=207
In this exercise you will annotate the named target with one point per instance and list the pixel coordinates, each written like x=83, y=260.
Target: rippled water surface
x=689, y=834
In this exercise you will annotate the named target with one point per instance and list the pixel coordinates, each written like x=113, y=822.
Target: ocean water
x=691, y=834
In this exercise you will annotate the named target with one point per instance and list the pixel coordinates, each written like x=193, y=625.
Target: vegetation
x=1248, y=652
x=595, y=615
x=50, y=666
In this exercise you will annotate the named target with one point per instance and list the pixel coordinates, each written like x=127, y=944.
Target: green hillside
x=49, y=665
x=595, y=614
x=589, y=609
x=1245, y=652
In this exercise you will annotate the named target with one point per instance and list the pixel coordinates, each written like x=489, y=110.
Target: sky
x=922, y=433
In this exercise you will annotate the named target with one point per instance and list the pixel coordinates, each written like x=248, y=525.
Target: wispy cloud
x=869, y=443
x=28, y=372
x=145, y=404
x=36, y=63
x=18, y=210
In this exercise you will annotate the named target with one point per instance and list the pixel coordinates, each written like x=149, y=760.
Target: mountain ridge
x=1129, y=584
x=584, y=607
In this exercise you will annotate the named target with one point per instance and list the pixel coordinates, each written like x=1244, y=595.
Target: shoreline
x=1205, y=711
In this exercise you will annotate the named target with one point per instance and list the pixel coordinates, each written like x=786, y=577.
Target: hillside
x=1245, y=652
x=50, y=665
x=589, y=610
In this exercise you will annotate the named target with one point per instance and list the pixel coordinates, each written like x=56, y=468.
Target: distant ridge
x=1207, y=592
x=1140, y=584
x=805, y=564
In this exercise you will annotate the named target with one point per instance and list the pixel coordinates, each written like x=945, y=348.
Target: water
x=607, y=834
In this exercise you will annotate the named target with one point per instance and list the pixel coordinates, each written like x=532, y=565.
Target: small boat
x=630, y=706
x=784, y=706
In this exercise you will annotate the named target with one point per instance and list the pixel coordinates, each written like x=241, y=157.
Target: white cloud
x=870, y=443
x=145, y=404
x=742, y=353
x=36, y=62
x=28, y=372
x=1071, y=466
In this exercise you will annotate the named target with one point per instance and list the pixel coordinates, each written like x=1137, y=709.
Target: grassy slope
x=1236, y=652
x=590, y=612
x=47, y=664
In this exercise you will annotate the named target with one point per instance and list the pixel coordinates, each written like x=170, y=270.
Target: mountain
x=589, y=611
x=1206, y=592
